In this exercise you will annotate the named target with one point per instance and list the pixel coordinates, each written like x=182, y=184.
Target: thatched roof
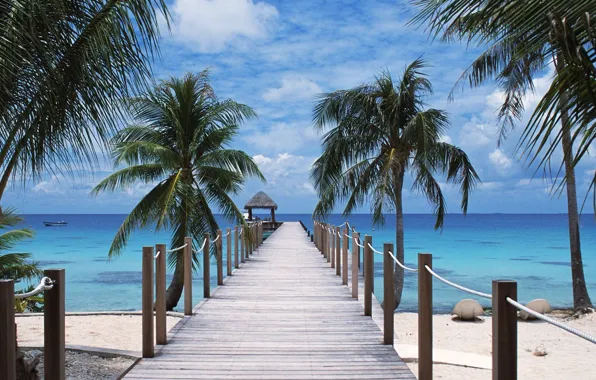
x=261, y=200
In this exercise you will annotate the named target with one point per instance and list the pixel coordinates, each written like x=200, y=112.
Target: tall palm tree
x=525, y=37
x=64, y=66
x=382, y=131
x=180, y=146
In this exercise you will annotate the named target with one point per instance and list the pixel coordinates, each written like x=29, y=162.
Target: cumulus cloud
x=500, y=161
x=476, y=134
x=286, y=173
x=211, y=25
x=283, y=137
x=292, y=88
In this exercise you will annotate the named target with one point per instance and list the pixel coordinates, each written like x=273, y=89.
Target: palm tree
x=525, y=37
x=180, y=146
x=15, y=266
x=64, y=66
x=383, y=131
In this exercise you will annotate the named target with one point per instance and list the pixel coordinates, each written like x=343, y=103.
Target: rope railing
x=374, y=250
x=463, y=288
x=177, y=249
x=402, y=265
x=553, y=322
x=202, y=246
x=214, y=240
x=45, y=283
x=157, y=254
x=359, y=245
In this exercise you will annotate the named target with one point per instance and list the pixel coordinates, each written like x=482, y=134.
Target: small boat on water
x=56, y=224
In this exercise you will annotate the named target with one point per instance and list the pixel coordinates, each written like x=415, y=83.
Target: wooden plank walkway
x=282, y=315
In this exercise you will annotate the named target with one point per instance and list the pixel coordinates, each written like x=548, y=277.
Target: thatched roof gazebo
x=261, y=201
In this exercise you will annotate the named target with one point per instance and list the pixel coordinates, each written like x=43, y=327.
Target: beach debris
x=539, y=305
x=540, y=351
x=467, y=310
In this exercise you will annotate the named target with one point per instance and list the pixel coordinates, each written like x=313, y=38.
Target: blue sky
x=277, y=56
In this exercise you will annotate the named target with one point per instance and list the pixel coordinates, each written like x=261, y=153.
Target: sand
x=568, y=356
x=122, y=332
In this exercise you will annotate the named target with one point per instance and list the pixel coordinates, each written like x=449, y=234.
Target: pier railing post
x=161, y=332
x=206, y=266
x=388, y=297
x=369, y=267
x=54, y=324
x=504, y=331
x=337, y=252
x=147, y=303
x=328, y=242
x=323, y=236
x=355, y=264
x=425, y=317
x=188, y=276
x=332, y=237
x=7, y=331
x=219, y=246
x=229, y=250
x=243, y=245
x=236, y=262
x=344, y=257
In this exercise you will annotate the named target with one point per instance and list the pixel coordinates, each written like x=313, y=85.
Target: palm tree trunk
x=581, y=299
x=398, y=274
x=174, y=291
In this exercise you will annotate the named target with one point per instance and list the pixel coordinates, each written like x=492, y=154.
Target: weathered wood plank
x=283, y=315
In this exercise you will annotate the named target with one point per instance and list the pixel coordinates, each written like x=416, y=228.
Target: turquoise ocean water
x=471, y=250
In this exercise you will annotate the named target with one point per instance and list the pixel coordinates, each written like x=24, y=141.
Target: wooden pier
x=284, y=314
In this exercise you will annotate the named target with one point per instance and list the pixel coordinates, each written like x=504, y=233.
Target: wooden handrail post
x=147, y=302
x=243, y=245
x=355, y=264
x=219, y=246
x=325, y=235
x=229, y=250
x=425, y=317
x=331, y=257
x=323, y=247
x=354, y=230
x=369, y=278
x=337, y=252
x=317, y=235
x=188, y=276
x=206, y=266
x=161, y=331
x=7, y=331
x=388, y=296
x=504, y=331
x=54, y=323
x=236, y=262
x=344, y=258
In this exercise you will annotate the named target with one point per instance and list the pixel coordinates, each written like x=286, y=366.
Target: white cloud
x=446, y=139
x=283, y=137
x=491, y=185
x=211, y=25
x=476, y=134
x=286, y=173
x=292, y=88
x=500, y=160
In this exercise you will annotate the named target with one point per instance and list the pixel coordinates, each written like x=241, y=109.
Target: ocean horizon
x=471, y=250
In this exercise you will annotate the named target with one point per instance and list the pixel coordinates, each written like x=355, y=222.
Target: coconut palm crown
x=380, y=132
x=179, y=147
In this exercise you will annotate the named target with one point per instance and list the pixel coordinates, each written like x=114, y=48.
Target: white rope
x=177, y=249
x=349, y=237
x=471, y=291
x=554, y=322
x=240, y=233
x=227, y=234
x=46, y=283
x=402, y=265
x=374, y=250
x=203, y=246
x=157, y=254
x=356, y=242
x=214, y=240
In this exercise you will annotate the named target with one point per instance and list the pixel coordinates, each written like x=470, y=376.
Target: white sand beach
x=567, y=356
x=122, y=332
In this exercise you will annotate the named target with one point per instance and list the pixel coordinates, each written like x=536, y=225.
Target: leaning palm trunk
x=581, y=299
x=174, y=291
x=398, y=274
